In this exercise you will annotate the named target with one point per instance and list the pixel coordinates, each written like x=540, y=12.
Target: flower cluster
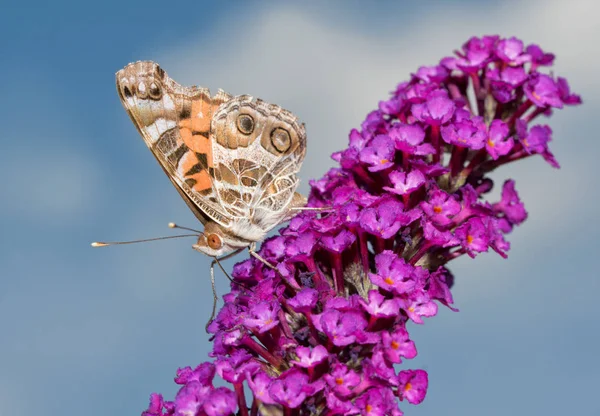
x=323, y=330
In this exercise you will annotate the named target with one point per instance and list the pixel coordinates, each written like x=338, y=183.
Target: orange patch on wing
x=195, y=130
x=201, y=116
x=203, y=181
x=196, y=143
x=201, y=124
x=202, y=178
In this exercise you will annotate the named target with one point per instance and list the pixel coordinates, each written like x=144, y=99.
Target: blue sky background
x=95, y=331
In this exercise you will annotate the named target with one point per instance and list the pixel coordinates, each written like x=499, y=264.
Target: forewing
x=175, y=122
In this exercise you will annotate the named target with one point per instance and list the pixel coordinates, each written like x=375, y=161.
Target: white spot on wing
x=160, y=125
x=168, y=103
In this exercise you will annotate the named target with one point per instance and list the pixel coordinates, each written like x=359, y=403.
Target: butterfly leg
x=298, y=203
x=253, y=253
x=217, y=260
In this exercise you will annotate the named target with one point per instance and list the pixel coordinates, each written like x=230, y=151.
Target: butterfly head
x=215, y=242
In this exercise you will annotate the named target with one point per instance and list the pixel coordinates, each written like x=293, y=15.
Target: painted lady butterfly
x=233, y=159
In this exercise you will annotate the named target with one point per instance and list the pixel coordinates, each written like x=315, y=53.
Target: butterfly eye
x=141, y=91
x=154, y=91
x=280, y=139
x=214, y=241
x=245, y=124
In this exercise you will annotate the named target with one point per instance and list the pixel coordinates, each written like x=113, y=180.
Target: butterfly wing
x=258, y=148
x=175, y=122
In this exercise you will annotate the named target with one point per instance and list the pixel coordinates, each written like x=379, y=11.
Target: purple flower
x=273, y=249
x=505, y=82
x=373, y=123
x=339, y=241
x=259, y=384
x=305, y=300
x=437, y=237
x=232, y=368
x=510, y=205
x=440, y=283
x=565, y=92
x=433, y=74
x=378, y=368
x=190, y=398
x=379, y=306
x=220, y=402
x=325, y=329
x=418, y=305
x=339, y=406
x=287, y=389
x=309, y=358
x=342, y=380
x=386, y=219
x=441, y=207
x=473, y=236
x=511, y=51
x=392, y=106
x=543, y=91
x=262, y=316
x=379, y=154
x=465, y=131
x=498, y=143
x=204, y=374
x=477, y=53
x=437, y=110
x=378, y=401
x=539, y=57
x=393, y=273
x=536, y=141
x=404, y=183
x=413, y=385
x=155, y=407
x=409, y=139
x=396, y=345
x=340, y=327
x=301, y=246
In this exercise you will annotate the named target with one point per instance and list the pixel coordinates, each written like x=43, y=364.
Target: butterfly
x=233, y=159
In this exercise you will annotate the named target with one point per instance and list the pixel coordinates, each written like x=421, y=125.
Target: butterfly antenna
x=173, y=225
x=114, y=243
